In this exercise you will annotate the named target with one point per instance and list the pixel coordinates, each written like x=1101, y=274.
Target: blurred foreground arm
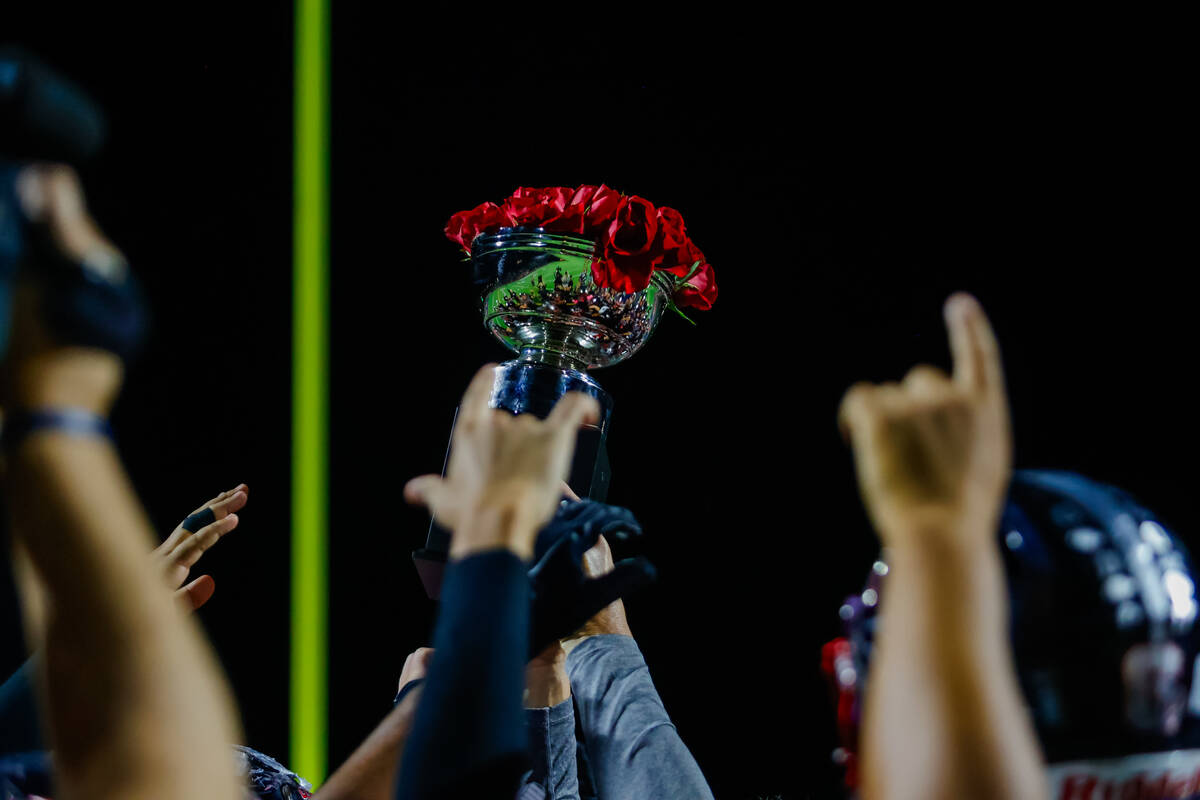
x=137, y=707
x=944, y=716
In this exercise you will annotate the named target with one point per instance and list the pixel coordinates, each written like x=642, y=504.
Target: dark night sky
x=840, y=195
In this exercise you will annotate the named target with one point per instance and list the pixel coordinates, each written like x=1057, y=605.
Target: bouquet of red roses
x=633, y=238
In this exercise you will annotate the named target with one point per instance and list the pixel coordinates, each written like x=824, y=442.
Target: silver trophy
x=539, y=299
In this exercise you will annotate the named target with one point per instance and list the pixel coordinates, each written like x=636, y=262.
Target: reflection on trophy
x=541, y=299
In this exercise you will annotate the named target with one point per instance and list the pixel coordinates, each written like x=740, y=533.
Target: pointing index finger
x=976, y=354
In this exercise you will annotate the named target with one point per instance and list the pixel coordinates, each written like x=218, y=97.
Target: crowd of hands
x=137, y=707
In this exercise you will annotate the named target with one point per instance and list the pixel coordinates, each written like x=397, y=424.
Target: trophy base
x=533, y=387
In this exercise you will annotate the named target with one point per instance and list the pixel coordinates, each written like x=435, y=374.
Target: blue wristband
x=404, y=690
x=74, y=421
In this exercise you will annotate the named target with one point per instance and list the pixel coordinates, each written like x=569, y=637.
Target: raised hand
x=52, y=195
x=61, y=357
x=505, y=474
x=935, y=451
x=176, y=556
x=934, y=455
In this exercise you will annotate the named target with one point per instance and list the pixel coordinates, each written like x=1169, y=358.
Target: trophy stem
x=533, y=384
x=529, y=386
x=552, y=358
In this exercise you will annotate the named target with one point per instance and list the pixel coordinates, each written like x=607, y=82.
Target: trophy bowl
x=540, y=301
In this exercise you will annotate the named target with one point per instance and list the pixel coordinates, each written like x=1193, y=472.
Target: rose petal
x=464, y=226
x=601, y=208
x=671, y=231
x=634, y=227
x=681, y=259
x=700, y=291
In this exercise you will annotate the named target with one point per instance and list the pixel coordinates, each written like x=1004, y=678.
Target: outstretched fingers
x=226, y=499
x=228, y=502
x=215, y=509
x=190, y=550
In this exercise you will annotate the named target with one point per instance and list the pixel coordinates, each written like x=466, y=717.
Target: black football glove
x=564, y=598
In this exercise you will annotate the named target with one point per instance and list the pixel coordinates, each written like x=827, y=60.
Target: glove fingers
x=626, y=578
x=572, y=510
x=584, y=538
x=560, y=608
x=622, y=529
x=578, y=525
x=614, y=522
x=558, y=558
x=565, y=526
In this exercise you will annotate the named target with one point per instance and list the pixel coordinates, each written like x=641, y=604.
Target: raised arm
x=137, y=706
x=502, y=484
x=944, y=717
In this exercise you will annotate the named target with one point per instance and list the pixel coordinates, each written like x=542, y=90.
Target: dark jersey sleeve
x=469, y=738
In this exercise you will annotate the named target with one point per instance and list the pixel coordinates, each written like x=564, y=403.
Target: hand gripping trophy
x=571, y=279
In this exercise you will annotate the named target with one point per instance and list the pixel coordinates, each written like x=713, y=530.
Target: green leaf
x=671, y=305
x=691, y=273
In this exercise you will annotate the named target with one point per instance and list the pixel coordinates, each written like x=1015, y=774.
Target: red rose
x=580, y=199
x=556, y=199
x=634, y=227
x=684, y=256
x=629, y=242
x=700, y=291
x=608, y=275
x=577, y=205
x=596, y=207
x=540, y=207
x=464, y=226
x=673, y=241
x=632, y=237
x=671, y=232
x=524, y=206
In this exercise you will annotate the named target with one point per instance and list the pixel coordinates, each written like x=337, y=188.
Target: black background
x=840, y=188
